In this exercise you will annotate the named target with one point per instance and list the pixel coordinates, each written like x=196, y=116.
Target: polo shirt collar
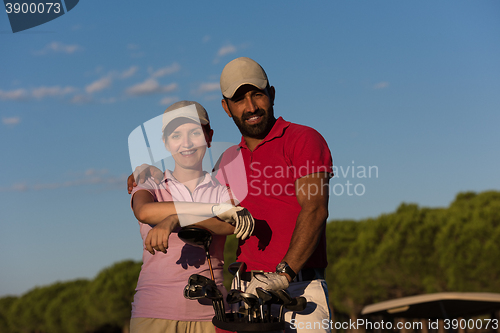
x=277, y=131
x=168, y=177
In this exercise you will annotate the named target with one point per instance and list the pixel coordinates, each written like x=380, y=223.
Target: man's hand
x=157, y=238
x=267, y=281
x=141, y=174
x=238, y=216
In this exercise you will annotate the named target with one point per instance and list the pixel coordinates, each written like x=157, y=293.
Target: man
x=287, y=168
x=285, y=188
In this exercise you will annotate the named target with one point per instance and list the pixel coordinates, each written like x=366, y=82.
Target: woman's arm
x=157, y=238
x=146, y=210
x=213, y=224
x=149, y=211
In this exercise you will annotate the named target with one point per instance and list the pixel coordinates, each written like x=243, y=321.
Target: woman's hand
x=157, y=238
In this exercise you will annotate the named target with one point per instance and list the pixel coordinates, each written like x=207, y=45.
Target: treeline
x=412, y=251
x=81, y=306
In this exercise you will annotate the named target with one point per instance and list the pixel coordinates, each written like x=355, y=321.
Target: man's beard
x=256, y=131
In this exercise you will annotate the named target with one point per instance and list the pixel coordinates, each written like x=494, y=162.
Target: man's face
x=251, y=110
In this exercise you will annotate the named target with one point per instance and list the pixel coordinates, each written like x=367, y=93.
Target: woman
x=186, y=195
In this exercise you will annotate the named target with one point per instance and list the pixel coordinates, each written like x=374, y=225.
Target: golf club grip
x=297, y=304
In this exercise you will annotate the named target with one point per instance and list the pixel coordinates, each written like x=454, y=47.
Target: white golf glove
x=267, y=281
x=238, y=216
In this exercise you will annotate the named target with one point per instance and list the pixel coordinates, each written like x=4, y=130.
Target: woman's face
x=187, y=144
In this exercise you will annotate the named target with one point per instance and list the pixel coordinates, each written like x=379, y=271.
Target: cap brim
x=259, y=83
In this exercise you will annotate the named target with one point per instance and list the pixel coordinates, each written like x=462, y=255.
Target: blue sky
x=411, y=89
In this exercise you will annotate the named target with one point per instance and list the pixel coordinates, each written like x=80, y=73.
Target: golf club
x=215, y=295
x=236, y=268
x=294, y=304
x=268, y=297
x=234, y=296
x=197, y=279
x=250, y=300
x=201, y=237
x=193, y=292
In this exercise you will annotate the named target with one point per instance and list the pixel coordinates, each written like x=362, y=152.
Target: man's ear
x=226, y=107
x=272, y=93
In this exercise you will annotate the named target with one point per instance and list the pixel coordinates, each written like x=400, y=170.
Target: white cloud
x=56, y=47
x=147, y=87
x=90, y=177
x=175, y=67
x=11, y=120
x=132, y=46
x=150, y=86
x=42, y=92
x=129, y=72
x=206, y=39
x=81, y=99
x=225, y=50
x=169, y=88
x=16, y=95
x=39, y=93
x=208, y=87
x=19, y=187
x=98, y=85
x=168, y=100
x=381, y=85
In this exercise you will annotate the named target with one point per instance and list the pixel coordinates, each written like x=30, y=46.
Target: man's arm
x=312, y=194
x=141, y=174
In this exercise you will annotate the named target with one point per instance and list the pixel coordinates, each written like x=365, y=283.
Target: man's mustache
x=258, y=113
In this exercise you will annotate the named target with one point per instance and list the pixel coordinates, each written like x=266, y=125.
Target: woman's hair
x=168, y=130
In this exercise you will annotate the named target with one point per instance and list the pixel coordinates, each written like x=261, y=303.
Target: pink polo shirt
x=263, y=181
x=159, y=292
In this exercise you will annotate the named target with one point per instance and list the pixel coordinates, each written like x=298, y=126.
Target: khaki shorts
x=153, y=325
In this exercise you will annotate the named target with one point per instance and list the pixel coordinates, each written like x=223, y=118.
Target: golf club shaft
x=210, y=266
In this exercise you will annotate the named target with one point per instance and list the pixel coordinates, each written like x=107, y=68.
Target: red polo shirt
x=263, y=180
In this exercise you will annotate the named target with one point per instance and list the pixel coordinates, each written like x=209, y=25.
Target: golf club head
x=284, y=296
x=212, y=292
x=235, y=267
x=194, y=292
x=249, y=299
x=197, y=279
x=264, y=295
x=297, y=304
x=234, y=296
x=196, y=236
